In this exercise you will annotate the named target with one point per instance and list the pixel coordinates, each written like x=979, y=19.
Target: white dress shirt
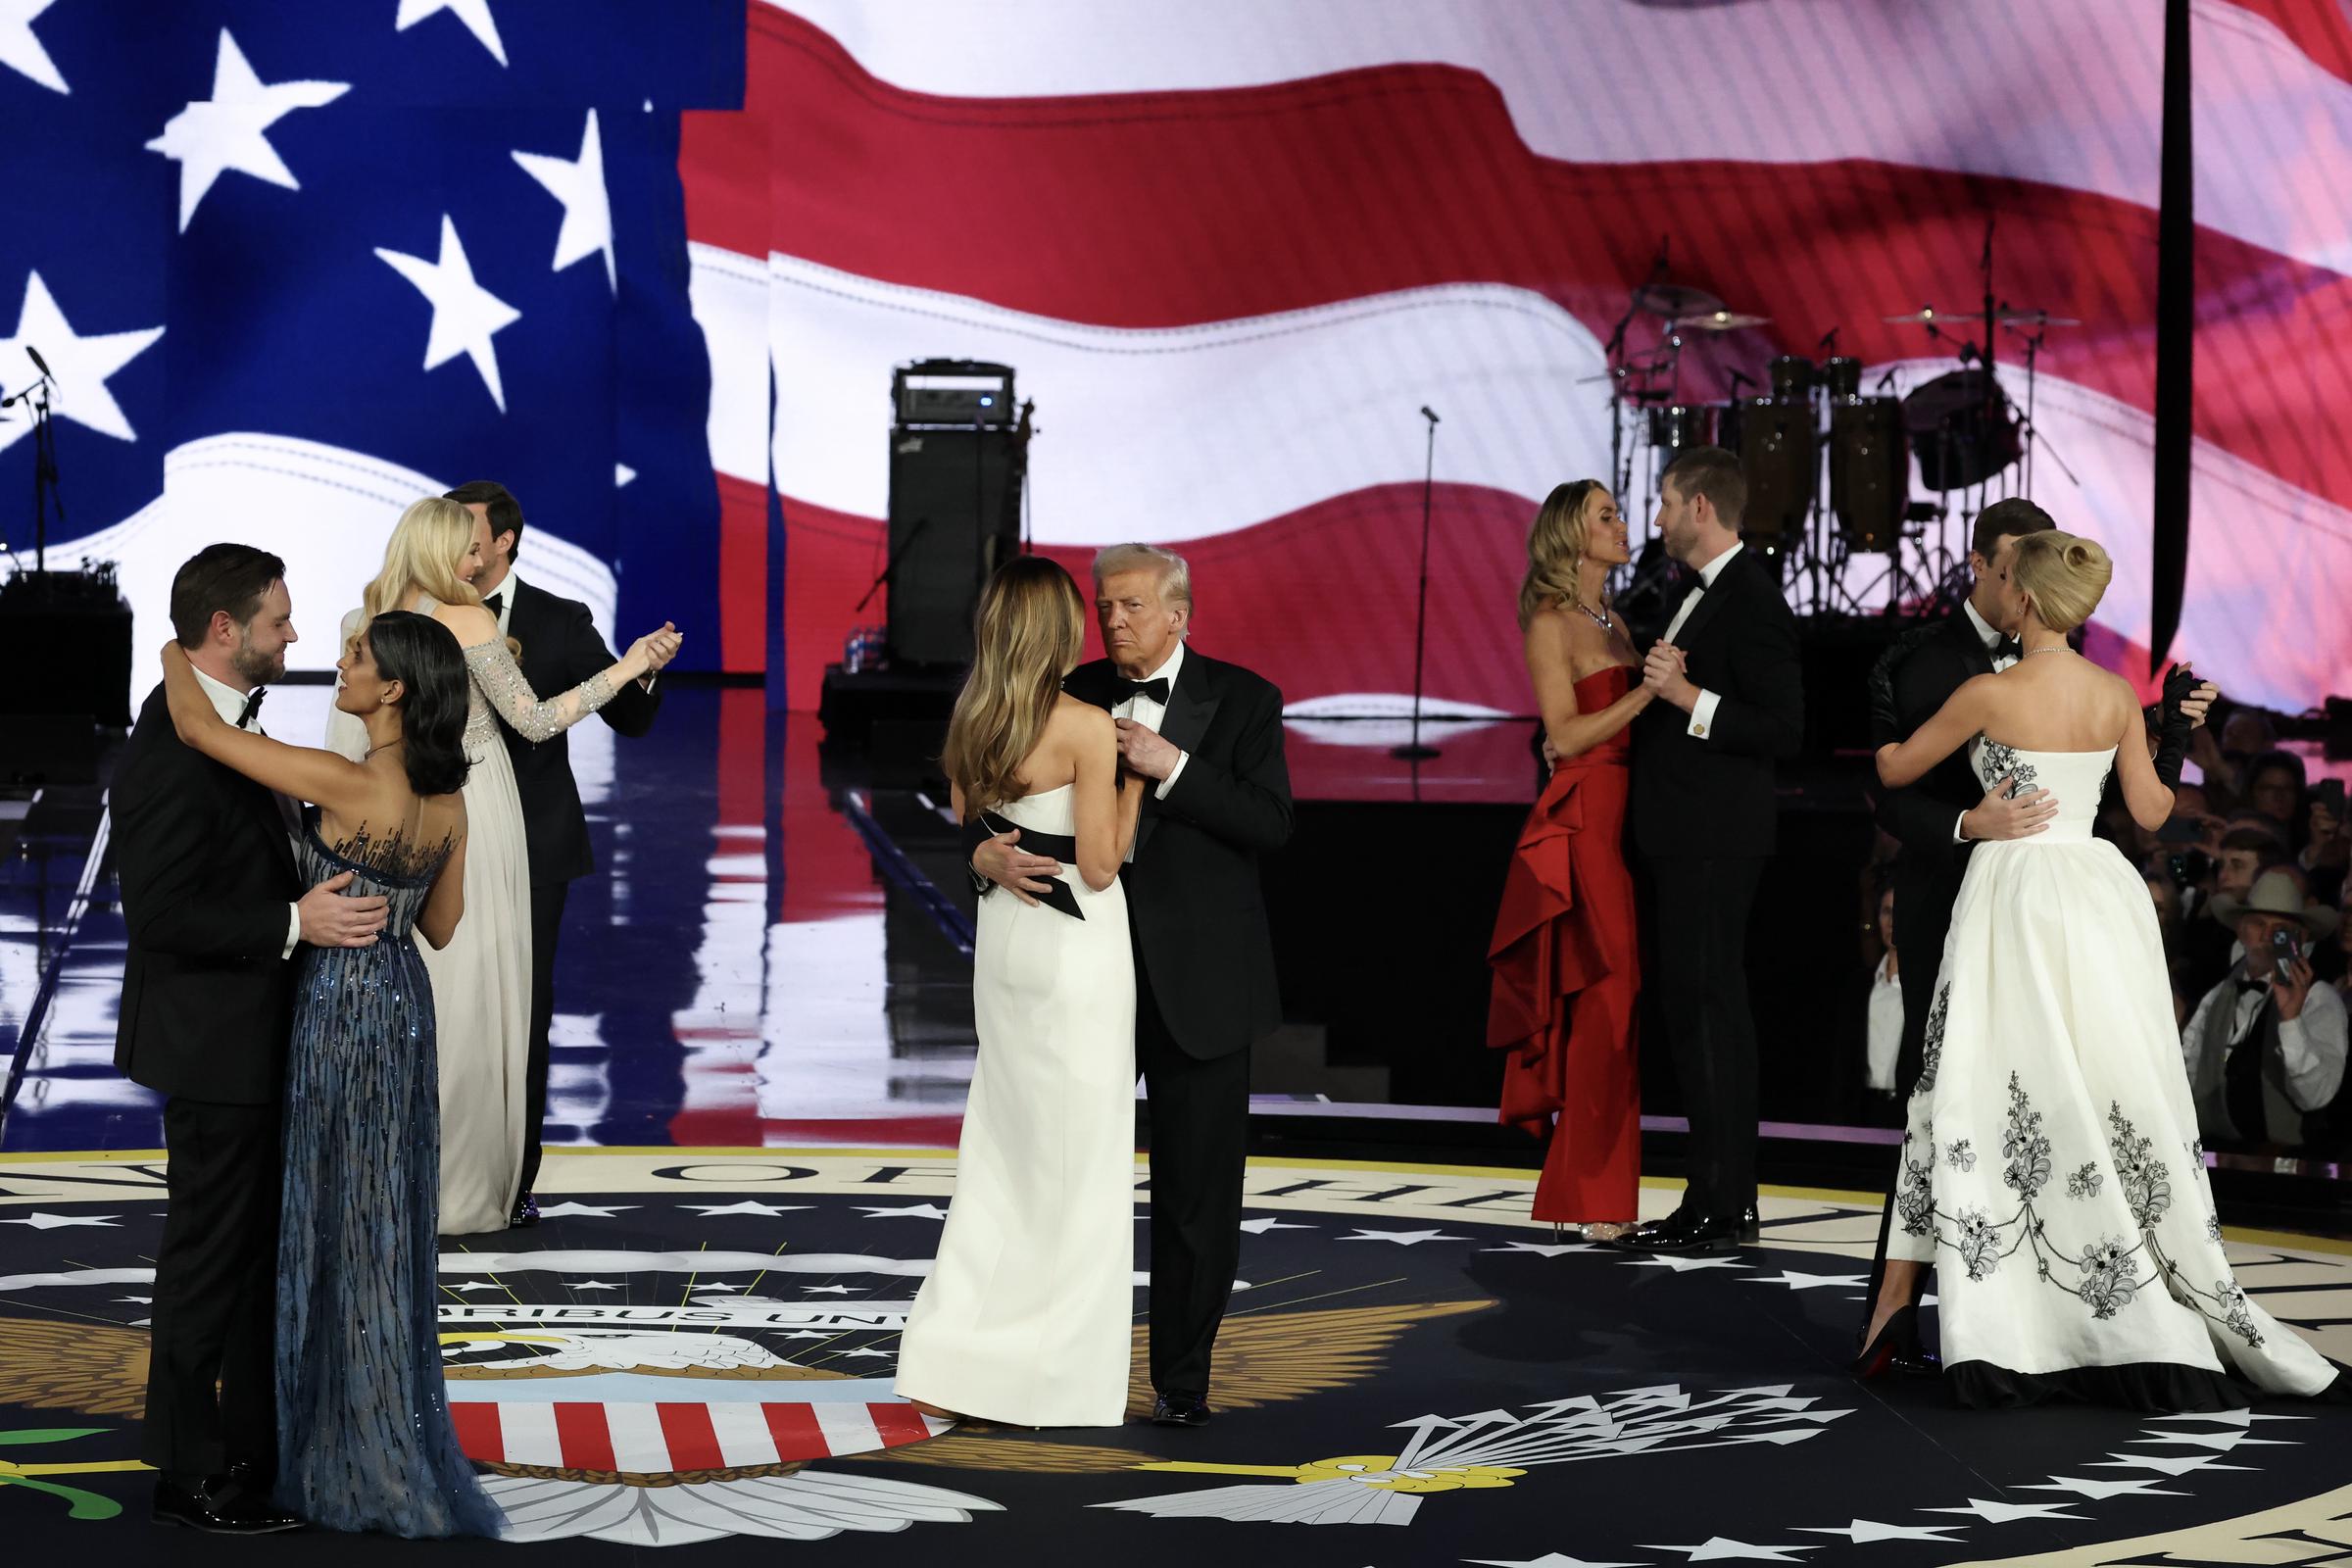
x=1149, y=713
x=229, y=704
x=1885, y=1041
x=2311, y=1046
x=1703, y=712
x=505, y=600
x=1993, y=641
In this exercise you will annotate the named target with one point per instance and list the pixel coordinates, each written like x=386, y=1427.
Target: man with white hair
x=1210, y=733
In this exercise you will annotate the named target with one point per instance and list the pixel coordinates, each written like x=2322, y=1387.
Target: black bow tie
x=1127, y=691
x=2009, y=648
x=252, y=706
x=496, y=602
x=2245, y=985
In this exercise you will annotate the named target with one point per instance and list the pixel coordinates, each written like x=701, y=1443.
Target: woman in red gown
x=1567, y=972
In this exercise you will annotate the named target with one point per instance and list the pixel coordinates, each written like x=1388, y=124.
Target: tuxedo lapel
x=1191, y=705
x=1971, y=648
x=261, y=806
x=1710, y=603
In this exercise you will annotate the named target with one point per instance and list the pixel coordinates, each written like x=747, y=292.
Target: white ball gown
x=1027, y=1316
x=2051, y=1169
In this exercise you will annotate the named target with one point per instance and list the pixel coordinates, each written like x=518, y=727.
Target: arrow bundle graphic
x=1488, y=1450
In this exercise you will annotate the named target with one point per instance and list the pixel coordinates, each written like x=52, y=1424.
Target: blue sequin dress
x=364, y=1440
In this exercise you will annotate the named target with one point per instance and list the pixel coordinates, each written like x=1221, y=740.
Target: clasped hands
x=1665, y=674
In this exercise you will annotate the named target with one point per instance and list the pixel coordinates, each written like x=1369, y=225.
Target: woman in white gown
x=482, y=978
x=2051, y=1169
x=1026, y=1317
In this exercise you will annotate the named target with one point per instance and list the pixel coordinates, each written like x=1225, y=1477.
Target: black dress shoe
x=222, y=1506
x=1693, y=1233
x=1179, y=1409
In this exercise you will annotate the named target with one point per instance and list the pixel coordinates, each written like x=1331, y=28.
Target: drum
x=1677, y=427
x=1791, y=376
x=1778, y=454
x=1842, y=378
x=1869, y=471
x=1963, y=429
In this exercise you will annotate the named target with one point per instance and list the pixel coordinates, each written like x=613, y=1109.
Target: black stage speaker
x=955, y=518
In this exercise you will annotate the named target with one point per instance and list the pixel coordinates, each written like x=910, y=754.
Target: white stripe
x=847, y=1428
x=728, y=293
x=1176, y=433
x=744, y=1438
x=2069, y=95
x=527, y=1434
x=638, y=1441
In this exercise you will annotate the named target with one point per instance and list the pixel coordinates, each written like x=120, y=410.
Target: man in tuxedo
x=214, y=909
x=1210, y=733
x=560, y=648
x=1730, y=703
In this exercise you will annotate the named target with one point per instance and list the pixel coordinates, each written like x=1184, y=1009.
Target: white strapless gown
x=1027, y=1316
x=2051, y=1169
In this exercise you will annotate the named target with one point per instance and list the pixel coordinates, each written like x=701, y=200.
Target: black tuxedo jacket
x=1927, y=666
x=206, y=875
x=561, y=648
x=1713, y=796
x=1193, y=900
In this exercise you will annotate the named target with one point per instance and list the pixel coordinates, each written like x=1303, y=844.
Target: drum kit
x=1837, y=527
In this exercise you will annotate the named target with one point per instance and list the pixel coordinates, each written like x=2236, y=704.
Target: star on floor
x=230, y=129
x=1544, y=1250
x=1259, y=1227
x=2218, y=1441
x=810, y=1334
x=1862, y=1532
x=718, y=1289
x=2003, y=1513
x=1683, y=1265
x=1550, y=1559
x=136, y=1300
x=59, y=1222
x=580, y=185
x=2177, y=1464
x=2101, y=1491
x=477, y=1284
x=1809, y=1282
x=911, y=1211
x=881, y=1354
x=1719, y=1549
x=81, y=364
x=475, y=14
x=22, y=52
x=571, y=1209
x=1403, y=1237
x=2229, y=1418
x=590, y=1284
x=826, y=1290
x=747, y=1206
x=466, y=315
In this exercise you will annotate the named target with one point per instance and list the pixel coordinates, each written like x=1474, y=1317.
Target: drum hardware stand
x=1414, y=751
x=2034, y=435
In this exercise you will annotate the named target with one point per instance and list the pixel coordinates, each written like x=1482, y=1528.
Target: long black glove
x=2173, y=726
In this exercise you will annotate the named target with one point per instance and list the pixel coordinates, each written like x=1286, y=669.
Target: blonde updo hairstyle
x=1555, y=550
x=2061, y=576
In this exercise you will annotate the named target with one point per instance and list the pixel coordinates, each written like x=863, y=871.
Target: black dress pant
x=1923, y=917
x=546, y=924
x=216, y=1294
x=1700, y=907
x=1200, y=1147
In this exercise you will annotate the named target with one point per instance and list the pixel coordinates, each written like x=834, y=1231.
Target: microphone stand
x=1414, y=751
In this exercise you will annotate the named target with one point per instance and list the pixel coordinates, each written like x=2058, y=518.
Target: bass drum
x=1842, y=378
x=1778, y=455
x=1869, y=471
x=1963, y=429
x=1791, y=377
x=1677, y=427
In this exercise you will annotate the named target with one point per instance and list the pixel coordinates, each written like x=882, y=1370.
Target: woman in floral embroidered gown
x=482, y=979
x=2050, y=1169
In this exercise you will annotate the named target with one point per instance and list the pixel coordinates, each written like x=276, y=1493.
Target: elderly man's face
x=1139, y=630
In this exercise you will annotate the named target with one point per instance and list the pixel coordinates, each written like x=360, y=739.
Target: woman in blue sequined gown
x=364, y=1437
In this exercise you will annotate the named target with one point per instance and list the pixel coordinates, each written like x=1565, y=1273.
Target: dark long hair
x=422, y=655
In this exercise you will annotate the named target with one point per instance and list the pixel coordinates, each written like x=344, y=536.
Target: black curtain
x=2176, y=340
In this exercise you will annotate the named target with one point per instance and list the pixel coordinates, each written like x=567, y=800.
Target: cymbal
x=2035, y=317
x=1720, y=320
x=1671, y=299
x=1930, y=316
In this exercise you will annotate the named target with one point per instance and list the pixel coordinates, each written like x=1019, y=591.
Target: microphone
x=1885, y=380
x=38, y=362
x=1426, y=415
x=1740, y=381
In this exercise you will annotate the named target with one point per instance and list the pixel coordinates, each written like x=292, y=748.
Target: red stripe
x=898, y=1423
x=693, y=1444
x=585, y=1438
x=2321, y=28
x=742, y=573
x=1175, y=209
x=478, y=1434
x=796, y=1434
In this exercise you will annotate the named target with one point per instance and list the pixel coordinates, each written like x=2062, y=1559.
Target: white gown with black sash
x=1027, y=1317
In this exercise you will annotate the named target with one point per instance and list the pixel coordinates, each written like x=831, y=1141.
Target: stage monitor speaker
x=955, y=518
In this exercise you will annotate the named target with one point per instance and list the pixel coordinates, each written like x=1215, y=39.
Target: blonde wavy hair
x=1555, y=550
x=1031, y=629
x=2063, y=575
x=425, y=555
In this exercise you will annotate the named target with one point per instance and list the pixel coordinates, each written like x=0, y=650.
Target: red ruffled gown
x=1567, y=973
